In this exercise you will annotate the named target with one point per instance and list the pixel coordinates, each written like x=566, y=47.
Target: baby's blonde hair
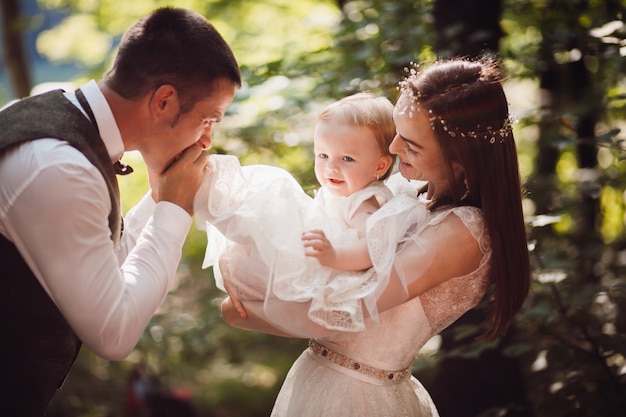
x=366, y=110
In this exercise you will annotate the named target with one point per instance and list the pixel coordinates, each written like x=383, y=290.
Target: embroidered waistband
x=345, y=362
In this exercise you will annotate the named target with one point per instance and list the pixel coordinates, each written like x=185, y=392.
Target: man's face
x=195, y=125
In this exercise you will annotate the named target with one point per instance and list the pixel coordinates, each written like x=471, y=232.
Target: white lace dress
x=367, y=373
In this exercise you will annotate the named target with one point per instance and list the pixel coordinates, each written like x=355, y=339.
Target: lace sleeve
x=446, y=302
x=448, y=253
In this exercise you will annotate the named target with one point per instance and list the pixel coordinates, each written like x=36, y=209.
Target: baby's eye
x=322, y=156
x=348, y=158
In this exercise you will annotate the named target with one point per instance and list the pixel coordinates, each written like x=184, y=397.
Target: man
x=71, y=271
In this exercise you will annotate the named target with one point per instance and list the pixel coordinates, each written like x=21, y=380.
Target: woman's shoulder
x=470, y=217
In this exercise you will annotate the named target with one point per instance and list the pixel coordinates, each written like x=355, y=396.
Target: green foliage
x=577, y=367
x=376, y=41
x=575, y=321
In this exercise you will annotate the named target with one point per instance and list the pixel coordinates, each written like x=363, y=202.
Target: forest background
x=565, y=355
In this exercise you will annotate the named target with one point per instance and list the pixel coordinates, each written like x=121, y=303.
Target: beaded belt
x=344, y=361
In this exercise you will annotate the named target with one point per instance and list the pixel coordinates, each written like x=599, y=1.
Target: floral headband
x=487, y=132
x=480, y=132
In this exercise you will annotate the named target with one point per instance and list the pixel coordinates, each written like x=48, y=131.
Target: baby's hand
x=316, y=245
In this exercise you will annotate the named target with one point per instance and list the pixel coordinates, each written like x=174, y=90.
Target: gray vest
x=38, y=346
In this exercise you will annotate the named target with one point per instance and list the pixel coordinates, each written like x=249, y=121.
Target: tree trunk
x=14, y=55
x=467, y=27
x=542, y=184
x=588, y=237
x=568, y=89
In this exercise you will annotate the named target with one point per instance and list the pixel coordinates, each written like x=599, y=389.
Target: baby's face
x=346, y=157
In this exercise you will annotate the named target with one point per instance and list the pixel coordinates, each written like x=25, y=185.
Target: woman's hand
x=255, y=322
x=229, y=311
x=233, y=302
x=233, y=294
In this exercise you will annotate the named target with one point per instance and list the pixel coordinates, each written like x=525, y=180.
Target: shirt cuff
x=173, y=219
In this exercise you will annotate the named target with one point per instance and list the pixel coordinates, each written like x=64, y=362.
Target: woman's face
x=418, y=150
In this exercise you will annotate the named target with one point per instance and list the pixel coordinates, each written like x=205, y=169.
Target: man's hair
x=172, y=46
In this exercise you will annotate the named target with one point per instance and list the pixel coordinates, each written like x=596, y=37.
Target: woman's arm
x=252, y=319
x=255, y=319
x=438, y=254
x=435, y=255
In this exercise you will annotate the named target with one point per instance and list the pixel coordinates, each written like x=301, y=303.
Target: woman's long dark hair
x=470, y=118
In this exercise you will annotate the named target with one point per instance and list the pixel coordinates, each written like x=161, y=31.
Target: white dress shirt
x=54, y=206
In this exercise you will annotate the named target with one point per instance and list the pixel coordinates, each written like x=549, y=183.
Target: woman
x=453, y=132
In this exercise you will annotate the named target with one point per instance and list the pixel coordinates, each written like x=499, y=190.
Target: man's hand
x=180, y=181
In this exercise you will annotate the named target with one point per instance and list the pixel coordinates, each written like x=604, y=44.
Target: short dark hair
x=172, y=46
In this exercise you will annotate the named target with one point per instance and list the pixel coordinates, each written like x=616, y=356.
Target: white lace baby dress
x=257, y=214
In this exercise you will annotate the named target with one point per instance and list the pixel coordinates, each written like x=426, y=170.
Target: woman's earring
x=467, y=190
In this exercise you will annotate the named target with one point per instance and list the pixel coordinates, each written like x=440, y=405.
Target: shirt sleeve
x=59, y=223
x=133, y=224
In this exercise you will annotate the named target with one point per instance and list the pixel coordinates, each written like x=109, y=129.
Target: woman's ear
x=164, y=103
x=462, y=186
x=458, y=172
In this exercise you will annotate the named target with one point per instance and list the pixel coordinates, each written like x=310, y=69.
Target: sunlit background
x=566, y=88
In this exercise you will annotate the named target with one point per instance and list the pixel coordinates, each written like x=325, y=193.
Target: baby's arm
x=354, y=257
x=347, y=258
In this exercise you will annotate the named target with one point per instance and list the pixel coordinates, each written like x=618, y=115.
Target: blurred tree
x=472, y=30
x=13, y=26
x=578, y=63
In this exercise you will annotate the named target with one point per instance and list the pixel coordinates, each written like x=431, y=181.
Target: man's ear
x=164, y=103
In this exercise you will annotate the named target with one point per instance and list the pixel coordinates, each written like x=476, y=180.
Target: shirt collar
x=107, y=126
